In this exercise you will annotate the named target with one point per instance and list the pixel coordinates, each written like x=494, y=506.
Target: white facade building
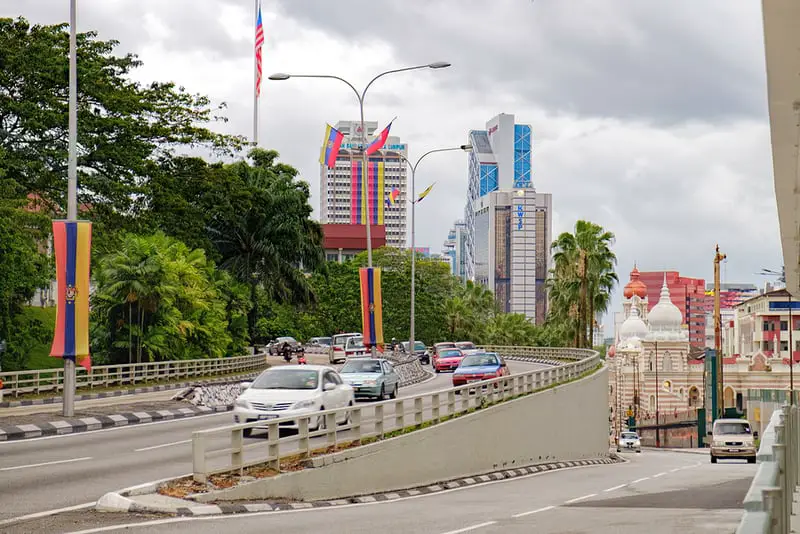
x=507, y=223
x=343, y=195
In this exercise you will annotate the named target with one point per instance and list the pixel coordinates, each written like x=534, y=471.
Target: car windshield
x=286, y=339
x=449, y=353
x=287, y=379
x=355, y=343
x=445, y=345
x=479, y=360
x=466, y=345
x=324, y=340
x=629, y=435
x=361, y=366
x=419, y=345
x=731, y=428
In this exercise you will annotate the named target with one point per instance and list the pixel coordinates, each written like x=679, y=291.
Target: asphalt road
x=61, y=471
x=656, y=492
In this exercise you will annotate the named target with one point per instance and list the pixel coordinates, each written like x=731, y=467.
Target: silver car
x=629, y=441
x=371, y=378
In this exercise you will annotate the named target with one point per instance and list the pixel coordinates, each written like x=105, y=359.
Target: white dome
x=665, y=318
x=633, y=326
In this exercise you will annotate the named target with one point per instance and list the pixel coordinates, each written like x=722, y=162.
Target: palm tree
x=274, y=237
x=582, y=278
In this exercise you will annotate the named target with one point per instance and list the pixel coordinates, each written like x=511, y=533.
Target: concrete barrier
x=567, y=422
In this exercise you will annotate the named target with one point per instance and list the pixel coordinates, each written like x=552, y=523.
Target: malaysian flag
x=259, y=42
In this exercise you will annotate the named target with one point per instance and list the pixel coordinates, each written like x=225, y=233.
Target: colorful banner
x=355, y=192
x=330, y=146
x=371, y=306
x=72, y=241
x=371, y=198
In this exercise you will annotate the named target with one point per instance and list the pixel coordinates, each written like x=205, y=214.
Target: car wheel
x=639, y=451
x=347, y=417
x=435, y=369
x=751, y=460
x=619, y=450
x=713, y=459
x=321, y=424
x=394, y=392
x=247, y=432
x=382, y=396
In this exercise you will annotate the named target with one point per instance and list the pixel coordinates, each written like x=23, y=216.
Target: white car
x=629, y=441
x=293, y=390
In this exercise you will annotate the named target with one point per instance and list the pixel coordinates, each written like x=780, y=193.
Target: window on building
x=784, y=326
x=784, y=346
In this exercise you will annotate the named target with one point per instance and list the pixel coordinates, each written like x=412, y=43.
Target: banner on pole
x=72, y=243
x=371, y=306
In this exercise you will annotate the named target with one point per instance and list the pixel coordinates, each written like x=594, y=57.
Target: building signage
x=493, y=129
x=784, y=305
x=520, y=213
x=385, y=147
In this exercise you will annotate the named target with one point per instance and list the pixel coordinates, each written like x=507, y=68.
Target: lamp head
x=279, y=76
x=438, y=65
x=466, y=148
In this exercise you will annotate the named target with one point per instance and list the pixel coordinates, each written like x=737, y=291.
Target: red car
x=481, y=366
x=446, y=359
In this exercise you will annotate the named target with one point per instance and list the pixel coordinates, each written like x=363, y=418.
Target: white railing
x=768, y=503
x=39, y=381
x=223, y=449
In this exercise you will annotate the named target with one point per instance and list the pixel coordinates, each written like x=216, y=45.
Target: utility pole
x=718, y=337
x=791, y=355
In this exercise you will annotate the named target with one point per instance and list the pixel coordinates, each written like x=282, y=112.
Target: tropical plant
x=156, y=300
x=581, y=279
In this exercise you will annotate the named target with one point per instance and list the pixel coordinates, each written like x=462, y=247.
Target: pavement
x=656, y=492
x=46, y=473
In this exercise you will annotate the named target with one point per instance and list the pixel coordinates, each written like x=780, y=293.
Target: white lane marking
x=163, y=445
x=676, y=469
x=576, y=499
x=523, y=514
x=23, y=442
x=235, y=517
x=46, y=463
x=37, y=515
x=640, y=480
x=615, y=488
x=473, y=527
x=660, y=474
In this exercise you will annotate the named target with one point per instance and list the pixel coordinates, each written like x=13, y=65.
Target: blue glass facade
x=488, y=181
x=522, y=155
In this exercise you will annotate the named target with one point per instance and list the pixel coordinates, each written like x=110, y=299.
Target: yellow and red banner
x=371, y=306
x=72, y=242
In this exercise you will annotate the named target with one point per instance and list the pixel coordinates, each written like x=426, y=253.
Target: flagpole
x=255, y=76
x=68, y=398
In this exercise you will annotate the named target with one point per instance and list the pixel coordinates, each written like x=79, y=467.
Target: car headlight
x=370, y=382
x=304, y=404
x=242, y=403
x=719, y=443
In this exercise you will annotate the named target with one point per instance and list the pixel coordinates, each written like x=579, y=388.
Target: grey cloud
x=664, y=61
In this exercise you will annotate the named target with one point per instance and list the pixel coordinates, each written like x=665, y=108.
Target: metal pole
x=365, y=180
x=412, y=326
x=791, y=355
x=720, y=386
x=68, y=399
x=255, y=78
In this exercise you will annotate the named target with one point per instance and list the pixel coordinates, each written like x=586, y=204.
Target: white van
x=336, y=352
x=733, y=438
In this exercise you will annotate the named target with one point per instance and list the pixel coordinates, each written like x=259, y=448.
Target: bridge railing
x=768, y=503
x=223, y=449
x=38, y=381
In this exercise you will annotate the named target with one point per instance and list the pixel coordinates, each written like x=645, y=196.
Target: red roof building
x=343, y=241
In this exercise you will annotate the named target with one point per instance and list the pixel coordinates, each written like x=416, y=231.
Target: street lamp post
x=68, y=399
x=413, y=167
x=283, y=76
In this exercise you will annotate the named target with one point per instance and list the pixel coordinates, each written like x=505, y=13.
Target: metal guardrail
x=376, y=420
x=768, y=503
x=38, y=381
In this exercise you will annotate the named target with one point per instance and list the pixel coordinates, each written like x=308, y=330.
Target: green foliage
x=23, y=268
x=158, y=300
x=124, y=126
x=581, y=279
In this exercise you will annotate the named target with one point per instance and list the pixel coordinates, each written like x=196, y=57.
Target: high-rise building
x=454, y=248
x=730, y=296
x=688, y=294
x=344, y=199
x=508, y=224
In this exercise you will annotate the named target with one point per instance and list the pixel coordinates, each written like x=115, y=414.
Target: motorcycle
x=286, y=352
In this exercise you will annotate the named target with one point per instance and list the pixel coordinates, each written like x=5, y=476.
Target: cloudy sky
x=649, y=118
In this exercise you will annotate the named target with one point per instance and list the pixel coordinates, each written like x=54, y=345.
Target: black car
x=420, y=350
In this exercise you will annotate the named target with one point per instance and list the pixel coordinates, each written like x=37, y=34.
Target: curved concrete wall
x=568, y=422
